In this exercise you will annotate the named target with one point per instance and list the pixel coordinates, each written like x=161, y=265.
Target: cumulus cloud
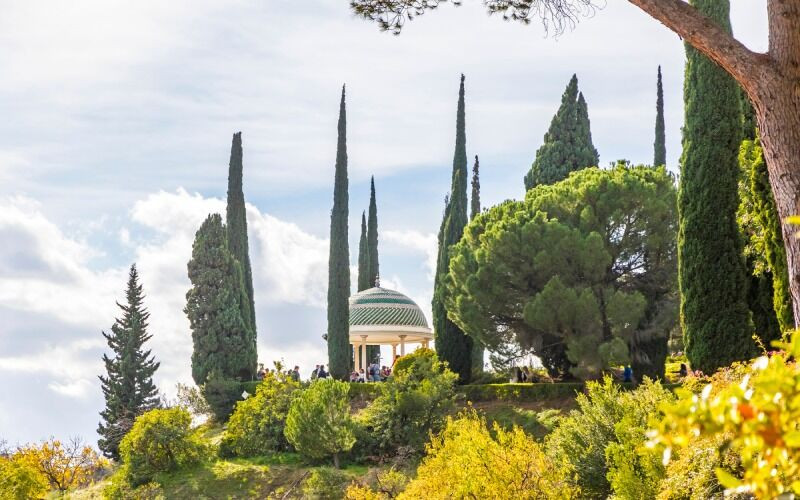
x=417, y=241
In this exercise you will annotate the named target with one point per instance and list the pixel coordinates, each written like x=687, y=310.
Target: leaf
x=726, y=479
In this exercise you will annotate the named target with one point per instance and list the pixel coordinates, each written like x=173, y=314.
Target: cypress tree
x=711, y=271
x=373, y=351
x=128, y=386
x=475, y=209
x=236, y=222
x=567, y=143
x=452, y=345
x=217, y=308
x=660, y=144
x=363, y=257
x=339, y=262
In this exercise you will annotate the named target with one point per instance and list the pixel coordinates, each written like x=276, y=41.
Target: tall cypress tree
x=363, y=257
x=475, y=209
x=452, y=345
x=339, y=262
x=711, y=270
x=217, y=308
x=567, y=143
x=660, y=144
x=236, y=222
x=373, y=351
x=128, y=386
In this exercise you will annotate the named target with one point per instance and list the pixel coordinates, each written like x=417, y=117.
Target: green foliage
x=520, y=392
x=414, y=402
x=758, y=418
x=256, y=426
x=583, y=265
x=568, y=142
x=475, y=209
x=217, y=308
x=363, y=257
x=236, y=223
x=161, y=440
x=120, y=489
x=468, y=461
x=659, y=146
x=339, y=352
x=692, y=472
x=221, y=394
x=128, y=386
x=326, y=483
x=318, y=424
x=20, y=479
x=452, y=345
x=599, y=443
x=712, y=273
x=372, y=236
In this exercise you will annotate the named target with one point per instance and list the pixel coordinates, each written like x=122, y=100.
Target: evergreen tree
x=373, y=351
x=217, y=308
x=339, y=262
x=712, y=275
x=475, y=209
x=363, y=257
x=128, y=385
x=236, y=222
x=452, y=345
x=567, y=143
x=660, y=144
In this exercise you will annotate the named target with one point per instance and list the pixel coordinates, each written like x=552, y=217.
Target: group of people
x=262, y=372
x=373, y=373
x=319, y=372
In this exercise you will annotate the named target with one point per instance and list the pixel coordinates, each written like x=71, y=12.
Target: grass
x=535, y=418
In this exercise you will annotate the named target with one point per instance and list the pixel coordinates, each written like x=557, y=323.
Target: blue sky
x=116, y=137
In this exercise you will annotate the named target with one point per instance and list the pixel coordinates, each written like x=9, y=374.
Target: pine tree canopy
x=587, y=264
x=568, y=142
x=128, y=386
x=660, y=144
x=452, y=345
x=712, y=273
x=339, y=352
x=217, y=308
x=236, y=222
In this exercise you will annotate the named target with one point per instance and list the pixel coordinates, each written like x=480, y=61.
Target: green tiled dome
x=381, y=306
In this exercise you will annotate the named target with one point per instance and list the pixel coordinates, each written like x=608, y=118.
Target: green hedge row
x=520, y=392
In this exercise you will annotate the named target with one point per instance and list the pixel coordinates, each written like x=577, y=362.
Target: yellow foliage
x=758, y=418
x=19, y=480
x=466, y=461
x=359, y=492
x=65, y=465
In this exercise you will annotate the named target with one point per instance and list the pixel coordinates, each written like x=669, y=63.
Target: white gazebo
x=379, y=316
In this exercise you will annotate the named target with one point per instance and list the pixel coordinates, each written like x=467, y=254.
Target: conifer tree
x=339, y=262
x=372, y=235
x=363, y=257
x=452, y=345
x=567, y=143
x=217, y=308
x=128, y=386
x=660, y=144
x=475, y=209
x=712, y=274
x=236, y=223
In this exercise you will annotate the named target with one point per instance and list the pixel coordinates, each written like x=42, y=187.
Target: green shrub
x=414, y=402
x=256, y=426
x=20, y=479
x=326, y=483
x=692, y=474
x=160, y=440
x=364, y=392
x=221, y=394
x=520, y=392
x=319, y=424
x=120, y=489
x=599, y=442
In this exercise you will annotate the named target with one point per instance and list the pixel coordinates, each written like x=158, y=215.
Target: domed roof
x=383, y=307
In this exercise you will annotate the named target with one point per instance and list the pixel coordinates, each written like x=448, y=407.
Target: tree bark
x=772, y=81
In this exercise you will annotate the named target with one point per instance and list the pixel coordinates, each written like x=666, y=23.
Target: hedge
x=520, y=392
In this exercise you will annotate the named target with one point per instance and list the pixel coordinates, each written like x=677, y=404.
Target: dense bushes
x=161, y=440
x=468, y=461
x=256, y=426
x=519, y=392
x=20, y=480
x=318, y=424
x=221, y=394
x=413, y=402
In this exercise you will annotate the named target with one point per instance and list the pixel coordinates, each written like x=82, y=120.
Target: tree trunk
x=336, y=461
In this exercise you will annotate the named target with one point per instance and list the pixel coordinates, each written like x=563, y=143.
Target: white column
x=394, y=352
x=403, y=345
x=364, y=353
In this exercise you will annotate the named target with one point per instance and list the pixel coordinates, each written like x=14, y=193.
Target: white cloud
x=424, y=243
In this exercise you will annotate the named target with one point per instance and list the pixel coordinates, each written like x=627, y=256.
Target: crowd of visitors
x=294, y=373
x=374, y=373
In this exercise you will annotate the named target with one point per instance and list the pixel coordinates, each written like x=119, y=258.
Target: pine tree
x=711, y=271
x=363, y=257
x=567, y=143
x=128, y=385
x=475, y=209
x=660, y=144
x=452, y=345
x=217, y=308
x=339, y=262
x=373, y=351
x=236, y=222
